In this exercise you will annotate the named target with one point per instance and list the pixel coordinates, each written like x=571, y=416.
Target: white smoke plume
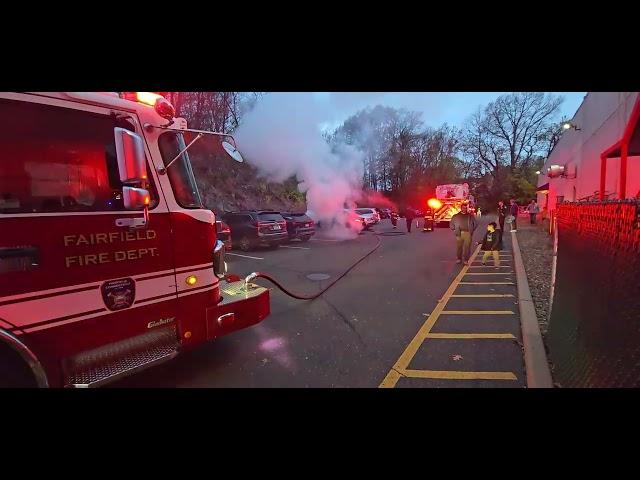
x=282, y=137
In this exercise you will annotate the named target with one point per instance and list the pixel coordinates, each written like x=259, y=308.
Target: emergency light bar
x=158, y=102
x=434, y=203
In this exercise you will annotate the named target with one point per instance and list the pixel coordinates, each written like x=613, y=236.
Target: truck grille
x=116, y=360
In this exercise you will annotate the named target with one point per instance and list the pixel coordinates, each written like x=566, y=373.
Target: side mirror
x=132, y=164
x=135, y=198
x=232, y=152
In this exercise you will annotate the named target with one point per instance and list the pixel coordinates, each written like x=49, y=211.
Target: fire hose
x=266, y=276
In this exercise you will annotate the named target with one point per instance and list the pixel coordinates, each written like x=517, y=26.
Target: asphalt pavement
x=387, y=323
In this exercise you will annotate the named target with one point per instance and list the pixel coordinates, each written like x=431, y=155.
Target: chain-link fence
x=594, y=331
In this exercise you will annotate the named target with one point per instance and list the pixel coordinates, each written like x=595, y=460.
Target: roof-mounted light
x=160, y=104
x=434, y=203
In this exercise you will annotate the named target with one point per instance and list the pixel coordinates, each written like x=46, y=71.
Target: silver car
x=369, y=214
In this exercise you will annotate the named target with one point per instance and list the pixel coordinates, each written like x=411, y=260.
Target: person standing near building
x=513, y=212
x=533, y=210
x=463, y=224
x=502, y=214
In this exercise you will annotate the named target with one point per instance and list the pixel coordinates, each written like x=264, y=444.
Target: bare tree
x=550, y=137
x=513, y=130
x=217, y=111
x=401, y=157
x=481, y=147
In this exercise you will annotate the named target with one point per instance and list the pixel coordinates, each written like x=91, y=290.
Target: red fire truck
x=109, y=262
x=447, y=202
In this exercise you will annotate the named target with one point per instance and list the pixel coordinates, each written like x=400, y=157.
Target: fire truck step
x=116, y=360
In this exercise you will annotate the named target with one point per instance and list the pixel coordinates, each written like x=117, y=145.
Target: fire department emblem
x=118, y=294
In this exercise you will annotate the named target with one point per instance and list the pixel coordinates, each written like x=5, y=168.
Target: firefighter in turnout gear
x=428, y=220
x=463, y=224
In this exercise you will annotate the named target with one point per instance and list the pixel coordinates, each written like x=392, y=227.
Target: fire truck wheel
x=245, y=244
x=14, y=372
x=305, y=238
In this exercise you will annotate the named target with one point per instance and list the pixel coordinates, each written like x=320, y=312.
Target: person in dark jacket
x=409, y=215
x=491, y=245
x=463, y=224
x=513, y=211
x=502, y=214
x=533, y=210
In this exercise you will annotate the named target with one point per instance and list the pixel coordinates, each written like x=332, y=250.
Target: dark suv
x=256, y=227
x=299, y=225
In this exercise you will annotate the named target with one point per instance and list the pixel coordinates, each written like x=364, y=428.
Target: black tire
x=14, y=371
x=305, y=238
x=245, y=244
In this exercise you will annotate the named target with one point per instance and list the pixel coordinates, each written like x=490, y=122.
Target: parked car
x=223, y=233
x=369, y=214
x=252, y=228
x=354, y=221
x=299, y=225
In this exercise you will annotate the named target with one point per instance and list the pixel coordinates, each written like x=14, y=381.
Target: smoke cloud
x=282, y=136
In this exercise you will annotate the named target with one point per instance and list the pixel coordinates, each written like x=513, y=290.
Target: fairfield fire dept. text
x=108, y=257
x=105, y=239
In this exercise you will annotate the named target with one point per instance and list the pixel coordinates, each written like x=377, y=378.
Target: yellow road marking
x=486, y=283
x=489, y=266
x=489, y=273
x=502, y=259
x=477, y=312
x=401, y=364
x=469, y=336
x=456, y=375
x=391, y=379
x=483, y=295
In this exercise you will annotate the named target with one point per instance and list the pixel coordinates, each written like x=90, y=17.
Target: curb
x=535, y=357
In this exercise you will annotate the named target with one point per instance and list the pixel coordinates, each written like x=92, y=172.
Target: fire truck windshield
x=180, y=173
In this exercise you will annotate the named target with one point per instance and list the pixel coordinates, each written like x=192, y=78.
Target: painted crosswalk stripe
x=457, y=375
x=471, y=336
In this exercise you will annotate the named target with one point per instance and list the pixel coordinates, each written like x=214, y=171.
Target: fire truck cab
x=109, y=261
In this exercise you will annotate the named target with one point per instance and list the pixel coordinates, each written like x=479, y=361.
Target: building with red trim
x=599, y=156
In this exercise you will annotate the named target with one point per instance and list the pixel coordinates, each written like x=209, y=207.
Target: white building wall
x=602, y=118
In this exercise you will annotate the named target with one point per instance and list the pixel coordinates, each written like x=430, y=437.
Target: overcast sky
x=436, y=107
